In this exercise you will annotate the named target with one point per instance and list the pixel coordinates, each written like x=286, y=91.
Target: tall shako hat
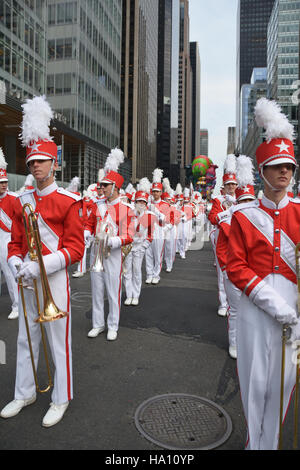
x=35, y=134
x=157, y=178
x=245, y=178
x=143, y=190
x=278, y=147
x=167, y=190
x=113, y=161
x=178, y=192
x=230, y=170
x=3, y=166
x=130, y=191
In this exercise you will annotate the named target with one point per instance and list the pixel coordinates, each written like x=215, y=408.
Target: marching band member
x=118, y=218
x=60, y=226
x=244, y=194
x=170, y=228
x=261, y=263
x=180, y=245
x=154, y=253
x=7, y=199
x=142, y=239
x=220, y=206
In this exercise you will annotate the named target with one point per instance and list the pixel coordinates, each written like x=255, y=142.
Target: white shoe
x=148, y=280
x=222, y=311
x=168, y=270
x=13, y=315
x=135, y=302
x=112, y=335
x=95, y=332
x=155, y=280
x=15, y=406
x=54, y=414
x=232, y=352
x=128, y=301
x=182, y=256
x=77, y=274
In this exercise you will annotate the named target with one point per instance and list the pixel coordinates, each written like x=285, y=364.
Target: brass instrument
x=50, y=311
x=285, y=337
x=104, y=231
x=126, y=249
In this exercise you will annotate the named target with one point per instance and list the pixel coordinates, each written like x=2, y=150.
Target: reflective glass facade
x=283, y=54
x=139, y=85
x=84, y=64
x=23, y=46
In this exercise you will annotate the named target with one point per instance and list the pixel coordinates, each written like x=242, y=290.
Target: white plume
x=3, y=163
x=269, y=115
x=74, y=185
x=157, y=175
x=166, y=185
x=114, y=160
x=230, y=164
x=144, y=185
x=37, y=115
x=29, y=180
x=129, y=189
x=245, y=169
x=178, y=189
x=101, y=174
x=186, y=192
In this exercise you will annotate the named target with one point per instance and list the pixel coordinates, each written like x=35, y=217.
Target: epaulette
x=26, y=192
x=295, y=200
x=65, y=192
x=11, y=193
x=245, y=205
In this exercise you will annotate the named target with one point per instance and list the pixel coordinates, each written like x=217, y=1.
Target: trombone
x=104, y=230
x=50, y=311
x=285, y=336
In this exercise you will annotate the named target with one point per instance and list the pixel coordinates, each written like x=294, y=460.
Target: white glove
x=294, y=333
x=29, y=270
x=272, y=303
x=14, y=263
x=224, y=214
x=114, y=242
x=88, y=238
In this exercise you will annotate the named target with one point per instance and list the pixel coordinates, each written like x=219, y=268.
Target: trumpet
x=104, y=231
x=50, y=311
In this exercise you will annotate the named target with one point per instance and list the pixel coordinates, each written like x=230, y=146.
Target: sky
x=213, y=26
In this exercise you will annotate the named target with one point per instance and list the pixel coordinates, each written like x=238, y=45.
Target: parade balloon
x=200, y=165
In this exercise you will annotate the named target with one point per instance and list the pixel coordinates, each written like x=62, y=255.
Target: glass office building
x=23, y=46
x=283, y=55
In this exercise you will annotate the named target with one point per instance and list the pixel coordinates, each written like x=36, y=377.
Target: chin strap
x=269, y=184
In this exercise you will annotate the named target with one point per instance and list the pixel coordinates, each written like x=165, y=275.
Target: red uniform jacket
x=119, y=214
x=60, y=225
x=6, y=211
x=262, y=241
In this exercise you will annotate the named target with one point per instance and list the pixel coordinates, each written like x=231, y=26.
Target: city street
x=173, y=342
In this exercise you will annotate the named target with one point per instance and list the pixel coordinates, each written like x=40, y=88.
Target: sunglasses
x=104, y=185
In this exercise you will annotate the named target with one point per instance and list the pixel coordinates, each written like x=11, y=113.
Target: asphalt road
x=172, y=342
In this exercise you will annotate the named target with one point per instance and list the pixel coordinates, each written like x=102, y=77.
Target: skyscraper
x=139, y=85
x=83, y=76
x=195, y=102
x=252, y=25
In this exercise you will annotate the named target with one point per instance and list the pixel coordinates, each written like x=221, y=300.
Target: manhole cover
x=183, y=422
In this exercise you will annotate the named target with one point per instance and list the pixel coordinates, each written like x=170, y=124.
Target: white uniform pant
x=233, y=295
x=170, y=247
x=109, y=280
x=181, y=238
x=81, y=268
x=58, y=333
x=221, y=288
x=12, y=285
x=154, y=257
x=133, y=274
x=259, y=367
